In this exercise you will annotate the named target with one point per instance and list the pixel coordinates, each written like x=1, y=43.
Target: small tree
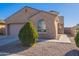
x=77, y=39
x=28, y=34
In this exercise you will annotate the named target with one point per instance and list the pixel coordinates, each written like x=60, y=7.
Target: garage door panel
x=14, y=29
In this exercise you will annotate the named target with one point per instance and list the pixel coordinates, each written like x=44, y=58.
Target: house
x=48, y=24
x=2, y=27
x=76, y=28
x=70, y=31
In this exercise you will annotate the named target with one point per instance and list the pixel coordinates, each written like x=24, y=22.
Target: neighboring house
x=76, y=28
x=48, y=24
x=2, y=27
x=70, y=31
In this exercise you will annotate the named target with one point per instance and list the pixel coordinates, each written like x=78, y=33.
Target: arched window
x=41, y=26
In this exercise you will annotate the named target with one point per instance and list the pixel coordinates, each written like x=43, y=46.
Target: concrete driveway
x=7, y=39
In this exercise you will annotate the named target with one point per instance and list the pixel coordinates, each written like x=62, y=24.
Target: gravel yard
x=41, y=49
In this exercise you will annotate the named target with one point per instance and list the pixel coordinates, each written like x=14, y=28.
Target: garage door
x=14, y=29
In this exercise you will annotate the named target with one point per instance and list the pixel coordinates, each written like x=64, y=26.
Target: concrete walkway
x=63, y=39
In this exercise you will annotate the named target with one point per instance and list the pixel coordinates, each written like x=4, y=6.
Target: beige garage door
x=14, y=29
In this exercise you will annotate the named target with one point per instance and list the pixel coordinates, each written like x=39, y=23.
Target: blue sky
x=69, y=11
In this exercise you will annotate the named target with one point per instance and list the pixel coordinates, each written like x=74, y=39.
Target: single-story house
x=48, y=24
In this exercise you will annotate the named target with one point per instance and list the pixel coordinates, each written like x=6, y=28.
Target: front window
x=41, y=26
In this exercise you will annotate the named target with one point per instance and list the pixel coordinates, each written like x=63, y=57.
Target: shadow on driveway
x=12, y=48
x=73, y=52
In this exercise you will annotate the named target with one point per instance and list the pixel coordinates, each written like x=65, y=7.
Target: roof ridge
x=40, y=10
x=31, y=8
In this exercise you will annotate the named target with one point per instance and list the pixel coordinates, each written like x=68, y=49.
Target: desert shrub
x=28, y=35
x=77, y=39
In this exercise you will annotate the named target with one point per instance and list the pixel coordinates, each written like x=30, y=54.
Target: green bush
x=77, y=39
x=28, y=34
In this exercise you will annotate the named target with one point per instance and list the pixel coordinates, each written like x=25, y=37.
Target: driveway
x=7, y=39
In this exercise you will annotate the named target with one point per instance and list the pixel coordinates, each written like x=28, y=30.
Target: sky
x=69, y=11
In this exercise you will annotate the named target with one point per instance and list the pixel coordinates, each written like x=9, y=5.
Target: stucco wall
x=50, y=23
x=61, y=24
x=21, y=16
x=56, y=26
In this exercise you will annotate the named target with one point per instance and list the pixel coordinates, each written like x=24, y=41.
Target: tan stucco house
x=48, y=24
